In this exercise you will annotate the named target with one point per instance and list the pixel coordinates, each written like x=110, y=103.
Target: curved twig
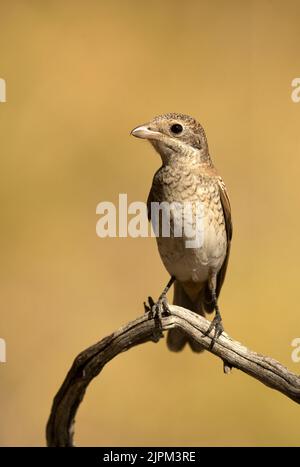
x=89, y=363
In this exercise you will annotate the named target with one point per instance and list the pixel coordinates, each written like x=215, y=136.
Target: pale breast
x=183, y=259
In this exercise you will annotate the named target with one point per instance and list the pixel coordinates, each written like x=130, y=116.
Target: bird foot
x=158, y=309
x=161, y=307
x=217, y=326
x=148, y=305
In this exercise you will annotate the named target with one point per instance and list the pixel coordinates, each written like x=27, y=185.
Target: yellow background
x=80, y=75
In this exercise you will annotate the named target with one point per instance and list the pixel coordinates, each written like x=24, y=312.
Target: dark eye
x=176, y=128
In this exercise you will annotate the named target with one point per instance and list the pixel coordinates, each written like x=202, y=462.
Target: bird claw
x=157, y=309
x=149, y=305
x=217, y=326
x=160, y=308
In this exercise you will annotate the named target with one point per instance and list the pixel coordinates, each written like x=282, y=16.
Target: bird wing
x=228, y=225
x=157, y=221
x=149, y=201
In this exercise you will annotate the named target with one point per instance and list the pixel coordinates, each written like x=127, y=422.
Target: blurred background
x=80, y=75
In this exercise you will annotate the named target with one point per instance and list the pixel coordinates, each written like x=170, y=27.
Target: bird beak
x=144, y=132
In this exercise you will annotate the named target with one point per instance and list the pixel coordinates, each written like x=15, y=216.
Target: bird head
x=175, y=136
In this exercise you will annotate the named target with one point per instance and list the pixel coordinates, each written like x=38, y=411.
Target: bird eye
x=176, y=128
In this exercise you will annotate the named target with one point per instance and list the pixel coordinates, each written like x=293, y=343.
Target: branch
x=89, y=363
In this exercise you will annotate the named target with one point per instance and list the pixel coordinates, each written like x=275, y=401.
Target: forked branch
x=89, y=363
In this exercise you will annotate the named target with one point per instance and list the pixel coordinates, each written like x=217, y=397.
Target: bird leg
x=156, y=310
x=161, y=306
x=216, y=323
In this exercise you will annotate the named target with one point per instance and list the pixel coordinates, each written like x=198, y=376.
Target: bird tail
x=177, y=338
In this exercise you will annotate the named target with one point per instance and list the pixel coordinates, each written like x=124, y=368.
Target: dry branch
x=90, y=362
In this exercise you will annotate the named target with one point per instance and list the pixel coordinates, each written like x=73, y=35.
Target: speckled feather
x=188, y=175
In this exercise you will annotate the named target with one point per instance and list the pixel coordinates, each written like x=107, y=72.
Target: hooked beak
x=144, y=132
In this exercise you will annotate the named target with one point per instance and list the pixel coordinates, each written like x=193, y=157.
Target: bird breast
x=203, y=217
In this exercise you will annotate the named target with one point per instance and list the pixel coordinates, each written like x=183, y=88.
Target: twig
x=89, y=363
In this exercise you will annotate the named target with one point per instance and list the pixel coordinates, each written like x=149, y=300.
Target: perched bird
x=188, y=175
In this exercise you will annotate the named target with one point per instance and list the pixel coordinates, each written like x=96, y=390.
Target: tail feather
x=177, y=339
x=208, y=303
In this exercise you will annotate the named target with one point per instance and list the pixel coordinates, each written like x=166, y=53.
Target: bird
x=188, y=175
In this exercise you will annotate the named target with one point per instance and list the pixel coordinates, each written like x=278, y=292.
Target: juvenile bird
x=188, y=175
